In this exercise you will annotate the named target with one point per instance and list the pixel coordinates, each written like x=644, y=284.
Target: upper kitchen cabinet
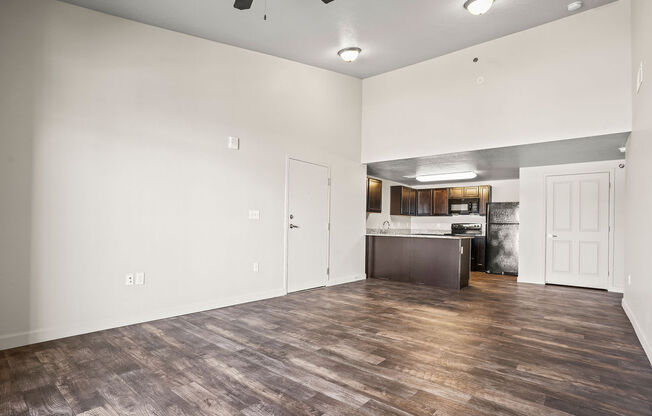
x=403, y=201
x=471, y=192
x=485, y=198
x=427, y=202
x=440, y=201
x=374, y=195
x=456, y=193
x=424, y=202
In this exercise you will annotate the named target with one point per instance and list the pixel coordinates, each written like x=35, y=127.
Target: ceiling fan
x=246, y=4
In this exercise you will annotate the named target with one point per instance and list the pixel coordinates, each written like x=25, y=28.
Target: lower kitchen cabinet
x=478, y=254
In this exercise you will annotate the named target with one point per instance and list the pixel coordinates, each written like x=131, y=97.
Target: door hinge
x=328, y=270
x=461, y=249
x=329, y=181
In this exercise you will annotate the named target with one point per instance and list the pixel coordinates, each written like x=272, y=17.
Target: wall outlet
x=140, y=278
x=255, y=267
x=639, y=78
x=254, y=214
x=129, y=279
x=233, y=143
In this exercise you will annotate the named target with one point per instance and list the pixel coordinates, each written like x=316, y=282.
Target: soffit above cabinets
x=504, y=162
x=391, y=33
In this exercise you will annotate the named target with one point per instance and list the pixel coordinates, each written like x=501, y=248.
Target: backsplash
x=444, y=223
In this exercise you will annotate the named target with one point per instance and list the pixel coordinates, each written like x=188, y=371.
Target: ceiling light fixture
x=447, y=177
x=576, y=5
x=349, y=54
x=622, y=149
x=478, y=7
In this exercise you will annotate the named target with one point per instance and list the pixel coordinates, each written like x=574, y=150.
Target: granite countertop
x=415, y=234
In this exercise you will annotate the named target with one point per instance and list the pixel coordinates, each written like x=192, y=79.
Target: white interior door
x=577, y=248
x=308, y=203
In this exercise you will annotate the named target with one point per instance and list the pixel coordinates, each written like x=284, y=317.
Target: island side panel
x=436, y=262
x=389, y=258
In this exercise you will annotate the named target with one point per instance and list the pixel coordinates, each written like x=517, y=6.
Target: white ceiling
x=391, y=33
x=504, y=162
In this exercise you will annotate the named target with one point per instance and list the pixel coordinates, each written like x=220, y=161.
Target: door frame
x=286, y=221
x=611, y=221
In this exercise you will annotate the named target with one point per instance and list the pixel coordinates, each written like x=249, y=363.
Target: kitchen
x=438, y=234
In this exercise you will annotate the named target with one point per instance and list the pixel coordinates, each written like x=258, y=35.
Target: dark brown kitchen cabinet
x=374, y=195
x=456, y=193
x=477, y=254
x=440, y=201
x=413, y=202
x=485, y=198
x=403, y=201
x=424, y=202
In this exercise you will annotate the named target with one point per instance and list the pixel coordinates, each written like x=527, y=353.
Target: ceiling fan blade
x=243, y=4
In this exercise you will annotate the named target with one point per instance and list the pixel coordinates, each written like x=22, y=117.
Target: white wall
x=637, y=300
x=502, y=191
x=566, y=79
x=532, y=228
x=113, y=159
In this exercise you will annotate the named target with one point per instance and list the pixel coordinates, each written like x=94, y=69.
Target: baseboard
x=534, y=282
x=647, y=347
x=346, y=279
x=49, y=334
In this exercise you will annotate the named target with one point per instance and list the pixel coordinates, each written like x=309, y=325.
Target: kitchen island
x=442, y=260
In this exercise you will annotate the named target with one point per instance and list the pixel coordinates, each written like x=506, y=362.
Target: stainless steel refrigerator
x=502, y=238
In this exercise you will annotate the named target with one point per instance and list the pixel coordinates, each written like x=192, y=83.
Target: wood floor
x=367, y=348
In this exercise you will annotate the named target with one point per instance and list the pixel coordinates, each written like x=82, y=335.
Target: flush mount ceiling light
x=349, y=54
x=576, y=5
x=447, y=177
x=622, y=149
x=478, y=7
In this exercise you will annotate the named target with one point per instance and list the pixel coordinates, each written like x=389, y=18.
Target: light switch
x=255, y=268
x=233, y=143
x=254, y=214
x=140, y=278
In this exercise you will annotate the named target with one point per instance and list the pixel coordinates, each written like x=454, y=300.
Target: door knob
x=553, y=235
x=294, y=226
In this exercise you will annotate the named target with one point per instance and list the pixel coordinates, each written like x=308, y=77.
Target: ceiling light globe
x=478, y=7
x=349, y=54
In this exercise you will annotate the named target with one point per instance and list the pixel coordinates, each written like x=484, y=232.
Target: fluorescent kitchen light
x=447, y=177
x=478, y=7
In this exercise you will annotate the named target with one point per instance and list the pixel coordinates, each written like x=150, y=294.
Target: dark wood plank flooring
x=366, y=348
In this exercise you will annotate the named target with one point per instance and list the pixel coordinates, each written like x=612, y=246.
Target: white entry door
x=308, y=218
x=577, y=248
